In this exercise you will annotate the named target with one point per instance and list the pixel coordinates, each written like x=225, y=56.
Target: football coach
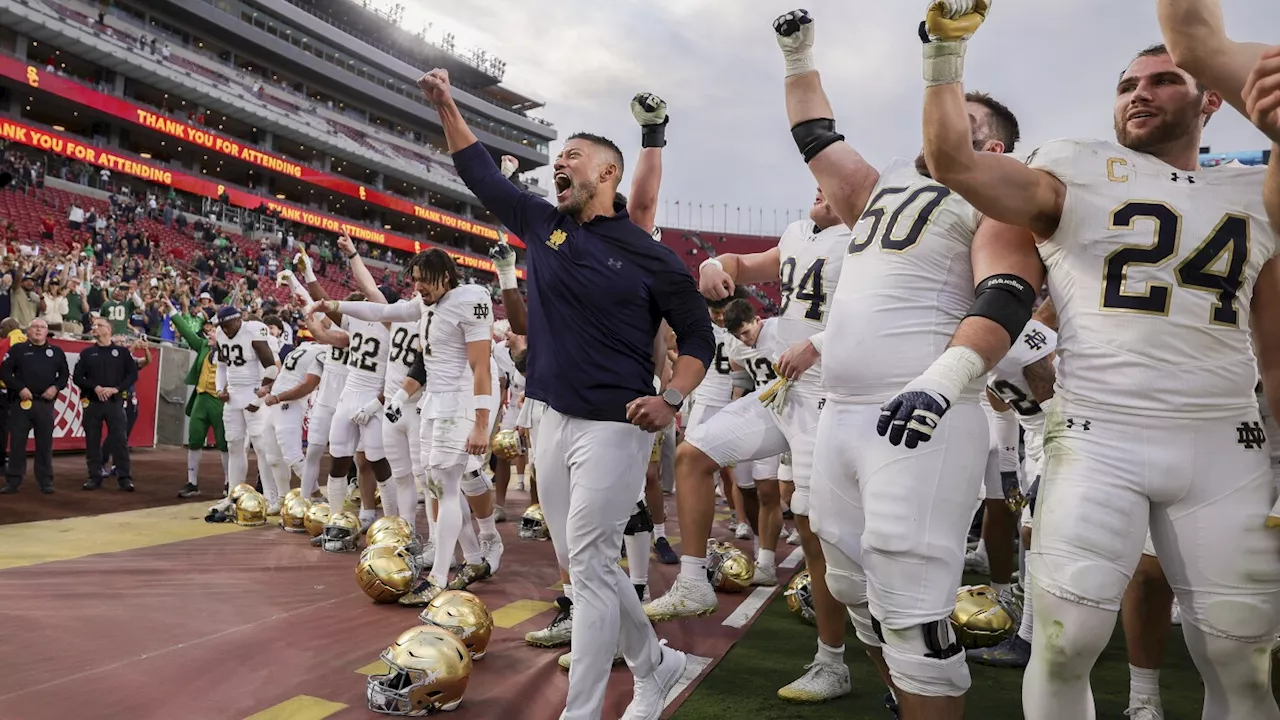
x=599, y=288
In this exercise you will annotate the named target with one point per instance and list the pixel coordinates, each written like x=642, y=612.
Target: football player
x=456, y=329
x=285, y=404
x=893, y=519
x=807, y=261
x=1157, y=268
x=245, y=363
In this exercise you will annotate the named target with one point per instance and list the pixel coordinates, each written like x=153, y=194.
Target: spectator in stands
x=75, y=217
x=25, y=301
x=76, y=307
x=55, y=302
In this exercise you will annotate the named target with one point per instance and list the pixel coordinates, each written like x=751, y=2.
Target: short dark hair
x=1158, y=50
x=274, y=321
x=603, y=142
x=738, y=294
x=1003, y=122
x=435, y=265
x=738, y=313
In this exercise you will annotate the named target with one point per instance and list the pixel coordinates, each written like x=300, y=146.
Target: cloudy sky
x=718, y=67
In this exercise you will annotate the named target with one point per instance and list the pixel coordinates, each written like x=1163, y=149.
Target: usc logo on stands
x=362, y=192
x=33, y=77
x=417, y=246
x=221, y=189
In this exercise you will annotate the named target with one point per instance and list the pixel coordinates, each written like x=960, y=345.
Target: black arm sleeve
x=418, y=372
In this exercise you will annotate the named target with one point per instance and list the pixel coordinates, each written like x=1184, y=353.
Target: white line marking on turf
x=749, y=607
x=793, y=559
x=694, y=665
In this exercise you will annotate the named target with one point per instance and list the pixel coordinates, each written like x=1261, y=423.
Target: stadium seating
x=693, y=247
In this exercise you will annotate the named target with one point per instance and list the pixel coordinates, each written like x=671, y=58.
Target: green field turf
x=776, y=648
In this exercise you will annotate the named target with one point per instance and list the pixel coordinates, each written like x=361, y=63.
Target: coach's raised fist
x=955, y=20
x=435, y=85
x=649, y=109
x=795, y=37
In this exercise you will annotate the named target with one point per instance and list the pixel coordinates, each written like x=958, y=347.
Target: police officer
x=104, y=372
x=34, y=372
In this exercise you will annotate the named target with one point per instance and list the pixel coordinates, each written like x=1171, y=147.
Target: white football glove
x=948, y=24
x=649, y=109
x=774, y=397
x=367, y=413
x=795, y=37
x=395, y=406
x=283, y=278
x=509, y=166
x=504, y=261
x=303, y=261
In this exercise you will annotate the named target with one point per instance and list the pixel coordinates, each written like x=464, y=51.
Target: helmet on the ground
x=799, y=595
x=427, y=672
x=293, y=516
x=730, y=569
x=533, y=525
x=342, y=533
x=251, y=509
x=385, y=572
x=464, y=615
x=317, y=516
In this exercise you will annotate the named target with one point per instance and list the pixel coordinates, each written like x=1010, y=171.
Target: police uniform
x=106, y=366
x=35, y=368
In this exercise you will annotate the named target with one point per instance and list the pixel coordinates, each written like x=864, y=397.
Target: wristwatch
x=673, y=397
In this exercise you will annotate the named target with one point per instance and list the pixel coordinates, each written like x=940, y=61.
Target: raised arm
x=504, y=261
x=372, y=311
x=1197, y=40
x=650, y=111
x=364, y=280
x=1262, y=99
x=998, y=185
x=844, y=176
x=331, y=335
x=718, y=277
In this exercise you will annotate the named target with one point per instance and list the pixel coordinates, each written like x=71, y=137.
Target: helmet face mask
x=533, y=524
x=428, y=672
x=341, y=533
x=799, y=596
x=729, y=569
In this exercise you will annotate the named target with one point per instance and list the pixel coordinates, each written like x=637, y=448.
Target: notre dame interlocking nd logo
x=1035, y=339
x=480, y=311
x=1251, y=435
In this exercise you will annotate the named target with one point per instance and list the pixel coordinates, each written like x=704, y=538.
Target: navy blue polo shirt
x=598, y=293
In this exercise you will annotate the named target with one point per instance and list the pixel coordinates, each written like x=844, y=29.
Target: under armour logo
x=1073, y=423
x=1035, y=339
x=615, y=263
x=480, y=311
x=1251, y=435
x=1176, y=177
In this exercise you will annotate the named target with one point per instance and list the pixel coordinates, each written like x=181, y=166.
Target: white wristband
x=954, y=370
x=507, y=278
x=710, y=261
x=798, y=63
x=943, y=63
x=401, y=397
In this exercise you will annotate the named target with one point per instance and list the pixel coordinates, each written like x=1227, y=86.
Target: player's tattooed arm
x=1040, y=377
x=1196, y=36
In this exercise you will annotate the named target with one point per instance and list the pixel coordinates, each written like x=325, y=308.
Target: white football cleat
x=975, y=561
x=742, y=532
x=820, y=682
x=686, y=598
x=765, y=575
x=649, y=697
x=794, y=537
x=491, y=548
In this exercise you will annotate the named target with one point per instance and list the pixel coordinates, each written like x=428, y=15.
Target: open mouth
x=1140, y=115
x=563, y=184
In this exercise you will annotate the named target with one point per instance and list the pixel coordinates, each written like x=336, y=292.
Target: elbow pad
x=270, y=372
x=742, y=379
x=814, y=136
x=1006, y=300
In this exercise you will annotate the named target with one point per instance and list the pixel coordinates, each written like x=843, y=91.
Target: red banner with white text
x=36, y=78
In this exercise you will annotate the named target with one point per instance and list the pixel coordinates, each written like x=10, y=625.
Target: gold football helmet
x=385, y=572
x=729, y=569
x=799, y=595
x=352, y=502
x=251, y=509
x=293, y=516
x=533, y=525
x=428, y=671
x=239, y=490
x=296, y=492
x=464, y=615
x=342, y=532
x=317, y=517
x=508, y=444
x=979, y=620
x=388, y=522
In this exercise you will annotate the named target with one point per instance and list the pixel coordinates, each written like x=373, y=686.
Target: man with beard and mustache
x=1157, y=268
x=908, y=338
x=599, y=288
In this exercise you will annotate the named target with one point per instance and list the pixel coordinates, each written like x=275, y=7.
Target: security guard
x=105, y=371
x=34, y=372
x=10, y=335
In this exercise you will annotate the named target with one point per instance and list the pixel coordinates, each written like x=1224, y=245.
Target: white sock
x=336, y=491
x=390, y=499
x=765, y=558
x=311, y=469
x=659, y=530
x=999, y=587
x=637, y=557
x=488, y=525
x=829, y=655
x=468, y=540
x=568, y=591
x=193, y=467
x=694, y=568
x=520, y=478
x=1024, y=630
x=225, y=457
x=237, y=464
x=430, y=509
x=1144, y=684
x=406, y=498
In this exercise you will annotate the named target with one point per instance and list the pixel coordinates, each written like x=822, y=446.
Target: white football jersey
x=716, y=388
x=1006, y=381
x=507, y=367
x=463, y=315
x=758, y=360
x=809, y=271
x=1152, y=272
x=406, y=348
x=906, y=285
x=244, y=370
x=334, y=378
x=302, y=361
x=367, y=353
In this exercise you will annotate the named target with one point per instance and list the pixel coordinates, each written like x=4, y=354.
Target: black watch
x=353, y=256
x=673, y=397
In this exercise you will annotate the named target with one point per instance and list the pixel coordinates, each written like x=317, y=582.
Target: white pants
x=402, y=443
x=589, y=474
x=319, y=423
x=346, y=437
x=701, y=412
x=747, y=473
x=1202, y=487
x=901, y=516
x=286, y=421
x=747, y=430
x=239, y=424
x=531, y=417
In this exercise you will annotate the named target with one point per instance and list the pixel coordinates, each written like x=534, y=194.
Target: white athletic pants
x=589, y=474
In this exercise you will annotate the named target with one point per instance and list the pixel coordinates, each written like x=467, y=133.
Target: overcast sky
x=719, y=68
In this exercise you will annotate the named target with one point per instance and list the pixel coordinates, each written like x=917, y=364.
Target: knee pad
x=1239, y=619
x=742, y=477
x=640, y=521
x=851, y=591
x=925, y=660
x=475, y=483
x=1232, y=661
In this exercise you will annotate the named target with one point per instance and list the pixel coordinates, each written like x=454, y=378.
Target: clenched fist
x=955, y=20
x=795, y=38
x=435, y=85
